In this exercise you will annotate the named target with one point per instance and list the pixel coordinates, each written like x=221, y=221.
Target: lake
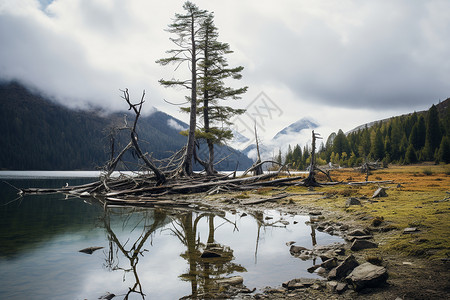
x=145, y=254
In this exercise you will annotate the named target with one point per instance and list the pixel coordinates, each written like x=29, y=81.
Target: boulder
x=380, y=192
x=357, y=232
x=367, y=275
x=362, y=244
x=410, y=230
x=299, y=283
x=352, y=201
x=297, y=249
x=362, y=237
x=344, y=268
x=341, y=287
x=329, y=263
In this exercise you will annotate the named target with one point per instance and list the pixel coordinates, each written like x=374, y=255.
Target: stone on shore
x=344, y=268
x=362, y=244
x=367, y=275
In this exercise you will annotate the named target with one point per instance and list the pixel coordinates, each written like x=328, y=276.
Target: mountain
x=441, y=108
x=37, y=134
x=296, y=127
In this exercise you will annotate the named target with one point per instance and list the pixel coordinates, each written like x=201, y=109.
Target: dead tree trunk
x=160, y=177
x=311, y=180
x=258, y=166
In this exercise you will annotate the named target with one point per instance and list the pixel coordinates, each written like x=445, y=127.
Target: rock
x=313, y=268
x=284, y=222
x=380, y=192
x=243, y=215
x=231, y=280
x=290, y=243
x=341, y=287
x=358, y=237
x=331, y=286
x=357, y=232
x=367, y=275
x=329, y=263
x=329, y=229
x=352, y=201
x=299, y=283
x=362, y=244
x=210, y=254
x=410, y=230
x=297, y=249
x=315, y=213
x=321, y=271
x=344, y=268
x=344, y=227
x=340, y=251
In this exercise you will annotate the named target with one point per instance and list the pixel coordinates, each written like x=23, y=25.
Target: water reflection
x=148, y=253
x=150, y=221
x=207, y=262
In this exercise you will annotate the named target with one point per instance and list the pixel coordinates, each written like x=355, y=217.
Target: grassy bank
x=418, y=198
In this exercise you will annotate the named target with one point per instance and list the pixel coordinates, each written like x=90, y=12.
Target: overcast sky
x=339, y=63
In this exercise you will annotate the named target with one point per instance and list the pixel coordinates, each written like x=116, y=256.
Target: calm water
x=146, y=254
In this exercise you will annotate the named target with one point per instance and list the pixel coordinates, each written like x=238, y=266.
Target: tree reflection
x=151, y=221
x=207, y=262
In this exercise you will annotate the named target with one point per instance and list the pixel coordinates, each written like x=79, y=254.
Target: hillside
x=38, y=134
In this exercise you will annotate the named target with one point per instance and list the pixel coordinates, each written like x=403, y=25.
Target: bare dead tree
x=136, y=107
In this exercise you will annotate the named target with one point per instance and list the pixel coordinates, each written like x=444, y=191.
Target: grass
x=417, y=199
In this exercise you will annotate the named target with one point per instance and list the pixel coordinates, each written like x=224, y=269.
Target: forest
x=406, y=139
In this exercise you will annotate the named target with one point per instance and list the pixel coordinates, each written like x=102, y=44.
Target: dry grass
x=418, y=202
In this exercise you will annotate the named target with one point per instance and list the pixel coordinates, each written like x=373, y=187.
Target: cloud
x=337, y=62
x=175, y=125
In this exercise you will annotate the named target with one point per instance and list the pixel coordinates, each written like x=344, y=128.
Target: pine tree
x=340, y=143
x=444, y=150
x=418, y=133
x=377, y=146
x=410, y=155
x=213, y=70
x=433, y=132
x=187, y=29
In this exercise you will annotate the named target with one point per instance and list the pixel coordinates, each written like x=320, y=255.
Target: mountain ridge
x=39, y=134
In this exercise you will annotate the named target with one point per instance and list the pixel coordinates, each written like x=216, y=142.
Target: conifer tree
x=444, y=150
x=433, y=132
x=186, y=28
x=212, y=72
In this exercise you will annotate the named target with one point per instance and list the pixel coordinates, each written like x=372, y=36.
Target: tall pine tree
x=186, y=28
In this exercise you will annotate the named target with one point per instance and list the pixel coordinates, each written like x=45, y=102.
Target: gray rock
x=380, y=192
x=344, y=227
x=344, y=268
x=367, y=275
x=313, y=268
x=299, y=283
x=352, y=201
x=329, y=263
x=331, y=286
x=357, y=232
x=351, y=238
x=362, y=244
x=410, y=230
x=341, y=287
x=297, y=249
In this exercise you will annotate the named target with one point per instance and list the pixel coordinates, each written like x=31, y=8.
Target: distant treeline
x=407, y=139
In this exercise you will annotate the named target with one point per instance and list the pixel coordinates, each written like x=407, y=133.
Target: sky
x=339, y=63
